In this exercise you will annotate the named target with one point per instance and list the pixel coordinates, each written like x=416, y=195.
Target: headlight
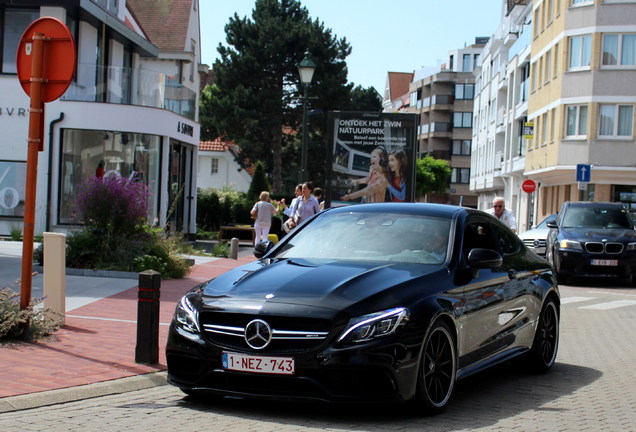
x=374, y=325
x=187, y=317
x=570, y=244
x=631, y=246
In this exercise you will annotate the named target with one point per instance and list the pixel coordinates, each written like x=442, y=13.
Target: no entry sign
x=58, y=57
x=529, y=186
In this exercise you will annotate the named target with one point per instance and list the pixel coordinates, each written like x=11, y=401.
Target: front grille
x=604, y=247
x=534, y=243
x=289, y=334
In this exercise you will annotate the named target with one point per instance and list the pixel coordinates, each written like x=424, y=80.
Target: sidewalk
x=97, y=342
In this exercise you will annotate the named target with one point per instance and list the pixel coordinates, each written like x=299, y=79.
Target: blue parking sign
x=583, y=172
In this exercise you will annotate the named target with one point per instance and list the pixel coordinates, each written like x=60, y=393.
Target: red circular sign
x=528, y=186
x=58, y=57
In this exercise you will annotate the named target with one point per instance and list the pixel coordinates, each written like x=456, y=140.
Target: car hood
x=591, y=234
x=326, y=284
x=537, y=233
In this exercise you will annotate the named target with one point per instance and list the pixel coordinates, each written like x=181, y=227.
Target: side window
x=508, y=243
x=479, y=234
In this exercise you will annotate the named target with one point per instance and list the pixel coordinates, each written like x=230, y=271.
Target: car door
x=493, y=300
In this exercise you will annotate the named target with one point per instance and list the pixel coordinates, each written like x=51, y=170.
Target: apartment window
x=475, y=61
x=545, y=119
x=460, y=175
x=522, y=95
x=581, y=2
x=462, y=119
x=547, y=67
x=556, y=60
x=466, y=63
x=214, y=166
x=15, y=23
x=535, y=30
x=533, y=80
x=451, y=62
x=616, y=120
x=549, y=11
x=619, y=50
x=461, y=147
x=576, y=121
x=580, y=48
x=464, y=91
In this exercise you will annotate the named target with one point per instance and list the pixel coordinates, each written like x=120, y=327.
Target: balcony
x=121, y=85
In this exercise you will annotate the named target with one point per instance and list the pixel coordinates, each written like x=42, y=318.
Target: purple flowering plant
x=113, y=204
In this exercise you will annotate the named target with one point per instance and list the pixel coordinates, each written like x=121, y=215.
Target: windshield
x=590, y=217
x=372, y=236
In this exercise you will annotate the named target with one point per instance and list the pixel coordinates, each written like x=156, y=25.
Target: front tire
x=543, y=354
x=438, y=369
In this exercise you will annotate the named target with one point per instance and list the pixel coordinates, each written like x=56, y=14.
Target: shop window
x=87, y=153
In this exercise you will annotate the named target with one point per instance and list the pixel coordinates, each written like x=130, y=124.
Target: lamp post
x=306, y=71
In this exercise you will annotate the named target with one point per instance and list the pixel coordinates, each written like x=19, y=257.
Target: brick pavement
x=97, y=342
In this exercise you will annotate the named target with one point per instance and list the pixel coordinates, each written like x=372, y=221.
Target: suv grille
x=608, y=247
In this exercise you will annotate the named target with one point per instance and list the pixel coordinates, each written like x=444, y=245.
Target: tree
x=257, y=93
x=431, y=175
x=365, y=99
x=259, y=182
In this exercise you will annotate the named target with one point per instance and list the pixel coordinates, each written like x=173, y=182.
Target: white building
x=500, y=112
x=132, y=104
x=219, y=169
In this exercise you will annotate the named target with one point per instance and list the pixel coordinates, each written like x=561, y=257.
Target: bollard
x=234, y=247
x=54, y=288
x=147, y=349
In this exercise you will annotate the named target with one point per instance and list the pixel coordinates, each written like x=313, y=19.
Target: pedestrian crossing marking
x=610, y=305
x=567, y=300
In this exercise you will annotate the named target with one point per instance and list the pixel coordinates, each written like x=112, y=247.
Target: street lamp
x=306, y=71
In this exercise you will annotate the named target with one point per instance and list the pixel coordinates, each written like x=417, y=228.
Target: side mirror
x=484, y=258
x=262, y=248
x=551, y=223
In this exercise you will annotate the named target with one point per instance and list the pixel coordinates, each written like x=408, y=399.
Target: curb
x=77, y=393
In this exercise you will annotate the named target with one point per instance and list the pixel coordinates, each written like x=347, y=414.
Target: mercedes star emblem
x=258, y=334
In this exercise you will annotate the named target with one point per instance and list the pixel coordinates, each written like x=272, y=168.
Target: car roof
x=429, y=209
x=593, y=204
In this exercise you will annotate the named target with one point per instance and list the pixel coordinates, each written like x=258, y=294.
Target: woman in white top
x=264, y=210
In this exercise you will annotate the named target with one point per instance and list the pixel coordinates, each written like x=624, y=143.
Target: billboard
x=371, y=158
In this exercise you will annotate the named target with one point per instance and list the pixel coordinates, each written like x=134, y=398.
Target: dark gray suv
x=592, y=239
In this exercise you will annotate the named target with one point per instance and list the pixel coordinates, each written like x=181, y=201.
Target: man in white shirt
x=500, y=211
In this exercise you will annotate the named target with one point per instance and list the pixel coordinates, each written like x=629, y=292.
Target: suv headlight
x=570, y=244
x=374, y=325
x=187, y=317
x=631, y=246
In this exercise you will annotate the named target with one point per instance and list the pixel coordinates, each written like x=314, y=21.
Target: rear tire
x=438, y=369
x=542, y=355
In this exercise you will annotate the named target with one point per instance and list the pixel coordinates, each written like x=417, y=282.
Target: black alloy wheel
x=438, y=369
x=543, y=354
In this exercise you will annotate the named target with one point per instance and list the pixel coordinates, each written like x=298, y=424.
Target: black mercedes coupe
x=369, y=302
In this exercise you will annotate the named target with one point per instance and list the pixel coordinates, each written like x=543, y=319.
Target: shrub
x=221, y=250
x=42, y=321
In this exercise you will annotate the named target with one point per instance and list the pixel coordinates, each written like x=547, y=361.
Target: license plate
x=258, y=364
x=604, y=262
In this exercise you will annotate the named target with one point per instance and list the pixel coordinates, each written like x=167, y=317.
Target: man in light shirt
x=500, y=211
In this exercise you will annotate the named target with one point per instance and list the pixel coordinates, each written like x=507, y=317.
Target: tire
x=542, y=355
x=438, y=369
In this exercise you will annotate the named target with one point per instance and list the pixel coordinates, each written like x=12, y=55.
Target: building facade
x=582, y=97
x=501, y=115
x=131, y=109
x=444, y=102
x=219, y=169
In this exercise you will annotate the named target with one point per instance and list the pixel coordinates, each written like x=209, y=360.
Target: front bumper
x=582, y=264
x=379, y=370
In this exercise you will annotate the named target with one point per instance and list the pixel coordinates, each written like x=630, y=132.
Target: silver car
x=534, y=238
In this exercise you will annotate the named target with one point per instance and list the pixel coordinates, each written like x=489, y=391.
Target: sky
x=385, y=35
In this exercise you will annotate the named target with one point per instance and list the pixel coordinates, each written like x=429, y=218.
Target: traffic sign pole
x=36, y=114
